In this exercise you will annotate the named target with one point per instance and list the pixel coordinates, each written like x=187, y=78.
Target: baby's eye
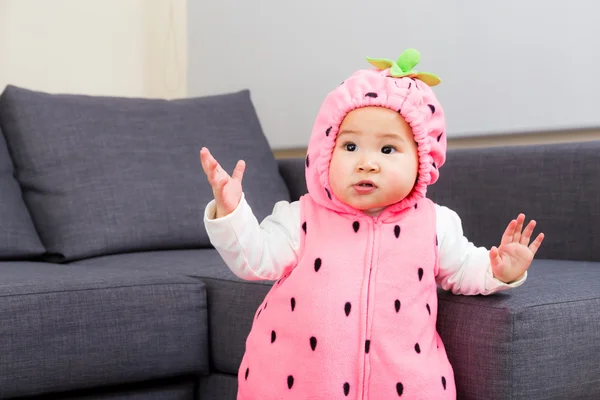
x=388, y=149
x=350, y=147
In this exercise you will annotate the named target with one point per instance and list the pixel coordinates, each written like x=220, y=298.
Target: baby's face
x=375, y=161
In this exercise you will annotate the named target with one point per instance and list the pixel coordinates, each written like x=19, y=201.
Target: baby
x=357, y=260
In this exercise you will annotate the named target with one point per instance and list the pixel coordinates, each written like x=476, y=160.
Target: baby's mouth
x=365, y=184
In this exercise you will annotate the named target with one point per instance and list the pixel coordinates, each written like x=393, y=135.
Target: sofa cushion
x=540, y=340
x=232, y=302
x=66, y=327
x=18, y=237
x=555, y=184
x=107, y=175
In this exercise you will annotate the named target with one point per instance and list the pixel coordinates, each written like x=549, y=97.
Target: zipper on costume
x=367, y=328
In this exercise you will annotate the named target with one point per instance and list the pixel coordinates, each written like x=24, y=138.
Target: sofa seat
x=539, y=339
x=232, y=302
x=65, y=327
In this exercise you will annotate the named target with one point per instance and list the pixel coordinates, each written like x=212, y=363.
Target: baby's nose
x=368, y=165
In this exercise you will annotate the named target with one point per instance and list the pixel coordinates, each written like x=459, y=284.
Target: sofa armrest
x=538, y=341
x=292, y=171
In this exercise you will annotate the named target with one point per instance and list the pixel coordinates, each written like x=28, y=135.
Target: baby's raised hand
x=513, y=257
x=226, y=189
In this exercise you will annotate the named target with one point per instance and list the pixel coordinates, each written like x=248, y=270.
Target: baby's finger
x=526, y=236
x=519, y=228
x=495, y=259
x=238, y=172
x=509, y=232
x=536, y=243
x=212, y=169
x=208, y=161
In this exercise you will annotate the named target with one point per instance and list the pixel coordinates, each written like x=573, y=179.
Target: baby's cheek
x=400, y=173
x=403, y=179
x=337, y=173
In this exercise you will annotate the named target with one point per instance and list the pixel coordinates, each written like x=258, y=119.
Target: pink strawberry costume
x=353, y=313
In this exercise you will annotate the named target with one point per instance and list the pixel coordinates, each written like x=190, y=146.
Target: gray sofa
x=109, y=288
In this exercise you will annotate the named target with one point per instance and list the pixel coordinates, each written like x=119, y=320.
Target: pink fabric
x=358, y=280
x=356, y=318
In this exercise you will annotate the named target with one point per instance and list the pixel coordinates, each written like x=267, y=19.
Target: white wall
x=508, y=67
x=99, y=47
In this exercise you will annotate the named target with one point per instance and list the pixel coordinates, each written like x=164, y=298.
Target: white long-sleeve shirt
x=262, y=251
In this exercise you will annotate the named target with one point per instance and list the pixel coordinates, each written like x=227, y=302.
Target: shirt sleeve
x=256, y=251
x=463, y=267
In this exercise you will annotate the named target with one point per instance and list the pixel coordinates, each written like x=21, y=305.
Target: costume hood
x=394, y=85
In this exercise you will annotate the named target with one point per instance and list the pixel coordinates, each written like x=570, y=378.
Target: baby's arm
x=256, y=251
x=463, y=267
x=251, y=251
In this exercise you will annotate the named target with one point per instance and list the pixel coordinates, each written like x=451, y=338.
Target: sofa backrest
x=104, y=175
x=558, y=185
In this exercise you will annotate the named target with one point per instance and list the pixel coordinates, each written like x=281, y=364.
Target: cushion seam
x=97, y=289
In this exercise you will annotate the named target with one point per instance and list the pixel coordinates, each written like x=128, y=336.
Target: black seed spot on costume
x=304, y=227
x=444, y=382
x=293, y=302
x=399, y=111
x=397, y=231
x=409, y=84
x=355, y=226
x=258, y=315
x=328, y=194
x=416, y=205
x=265, y=307
x=313, y=343
x=432, y=108
x=399, y=388
x=290, y=381
x=436, y=240
x=440, y=137
x=397, y=305
x=420, y=273
x=346, y=388
x=367, y=346
x=371, y=94
x=418, y=348
x=428, y=309
x=347, y=308
x=434, y=166
x=317, y=264
x=307, y=161
x=327, y=131
x=273, y=336
x=342, y=83
x=247, y=372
